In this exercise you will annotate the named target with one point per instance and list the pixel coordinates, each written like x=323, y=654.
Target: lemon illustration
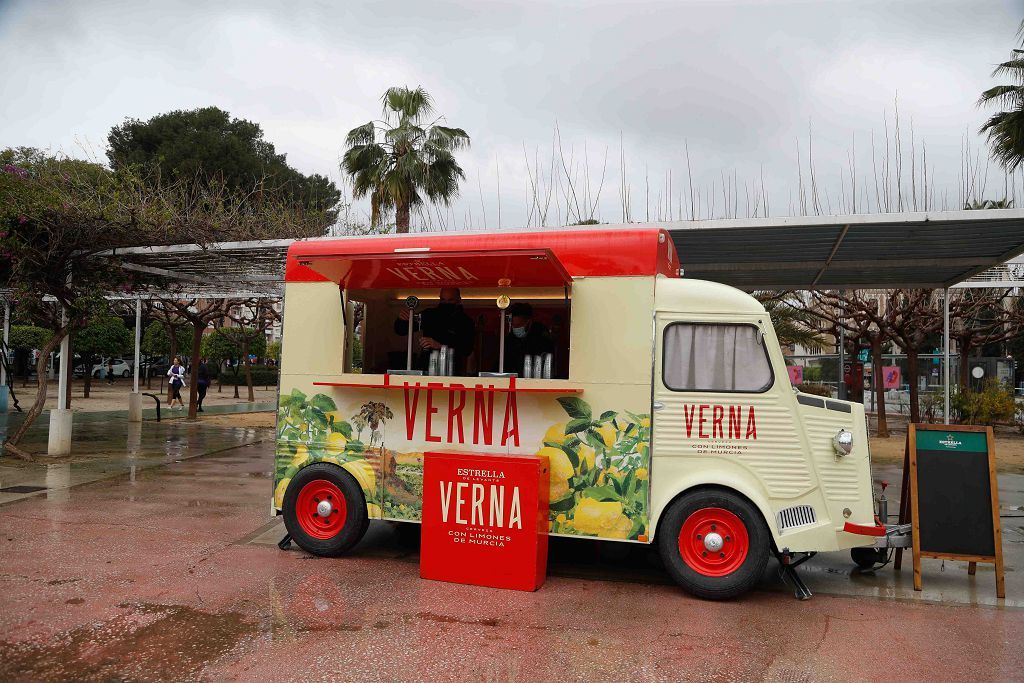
x=363, y=472
x=279, y=491
x=336, y=442
x=603, y=519
x=608, y=434
x=641, y=473
x=301, y=456
x=556, y=433
x=560, y=471
x=645, y=422
x=373, y=511
x=560, y=518
x=587, y=455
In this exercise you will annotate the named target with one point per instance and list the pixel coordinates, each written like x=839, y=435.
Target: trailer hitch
x=788, y=562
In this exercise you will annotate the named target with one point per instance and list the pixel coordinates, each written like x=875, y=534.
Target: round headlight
x=842, y=442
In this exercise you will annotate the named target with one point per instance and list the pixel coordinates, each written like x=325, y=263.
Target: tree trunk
x=402, y=217
x=248, y=369
x=882, y=429
x=234, y=376
x=87, y=375
x=193, y=375
x=37, y=407
x=71, y=370
x=915, y=407
x=220, y=377
x=964, y=366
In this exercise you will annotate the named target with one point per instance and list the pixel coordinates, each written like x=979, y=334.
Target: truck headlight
x=842, y=442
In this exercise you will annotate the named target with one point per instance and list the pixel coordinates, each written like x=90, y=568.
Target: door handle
x=657, y=405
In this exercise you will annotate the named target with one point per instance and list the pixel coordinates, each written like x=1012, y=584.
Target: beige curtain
x=715, y=358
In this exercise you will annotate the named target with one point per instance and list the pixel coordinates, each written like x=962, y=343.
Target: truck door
x=716, y=397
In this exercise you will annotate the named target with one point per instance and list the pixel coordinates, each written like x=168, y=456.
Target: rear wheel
x=325, y=510
x=714, y=544
x=867, y=558
x=125, y=373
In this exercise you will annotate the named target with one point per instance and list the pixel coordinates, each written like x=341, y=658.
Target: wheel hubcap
x=320, y=509
x=714, y=542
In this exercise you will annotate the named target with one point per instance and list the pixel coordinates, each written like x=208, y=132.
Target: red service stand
x=485, y=520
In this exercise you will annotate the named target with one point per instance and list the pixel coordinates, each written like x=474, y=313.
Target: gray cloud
x=740, y=83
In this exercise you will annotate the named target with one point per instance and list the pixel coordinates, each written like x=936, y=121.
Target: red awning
x=422, y=268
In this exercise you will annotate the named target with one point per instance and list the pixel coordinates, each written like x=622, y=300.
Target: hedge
x=261, y=376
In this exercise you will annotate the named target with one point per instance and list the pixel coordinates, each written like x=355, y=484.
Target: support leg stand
x=787, y=572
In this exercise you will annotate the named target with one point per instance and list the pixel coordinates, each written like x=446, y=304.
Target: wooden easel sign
x=954, y=497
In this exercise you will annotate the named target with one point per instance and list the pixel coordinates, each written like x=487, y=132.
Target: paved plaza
x=159, y=561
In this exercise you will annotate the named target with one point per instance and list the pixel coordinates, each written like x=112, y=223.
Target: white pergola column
x=59, y=442
x=945, y=355
x=135, y=398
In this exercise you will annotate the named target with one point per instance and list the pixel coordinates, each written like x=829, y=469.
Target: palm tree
x=1005, y=129
x=401, y=159
x=794, y=323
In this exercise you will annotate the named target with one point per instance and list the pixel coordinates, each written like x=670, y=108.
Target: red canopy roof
x=526, y=259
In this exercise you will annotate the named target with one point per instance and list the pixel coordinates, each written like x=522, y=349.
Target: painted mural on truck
x=599, y=459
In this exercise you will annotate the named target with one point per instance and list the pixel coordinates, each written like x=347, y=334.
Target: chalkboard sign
x=954, y=497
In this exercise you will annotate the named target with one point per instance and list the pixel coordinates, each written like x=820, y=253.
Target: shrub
x=816, y=389
x=994, y=403
x=261, y=376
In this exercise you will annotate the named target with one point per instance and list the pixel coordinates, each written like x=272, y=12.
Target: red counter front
x=485, y=520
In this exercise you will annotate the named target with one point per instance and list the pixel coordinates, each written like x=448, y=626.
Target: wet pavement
x=169, y=573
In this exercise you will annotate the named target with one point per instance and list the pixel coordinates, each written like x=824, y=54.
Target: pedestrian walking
x=202, y=382
x=176, y=375
x=110, y=371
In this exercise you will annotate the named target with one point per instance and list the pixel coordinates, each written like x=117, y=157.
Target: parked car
x=122, y=368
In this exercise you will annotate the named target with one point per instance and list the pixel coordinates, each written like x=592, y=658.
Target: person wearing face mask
x=444, y=325
x=527, y=337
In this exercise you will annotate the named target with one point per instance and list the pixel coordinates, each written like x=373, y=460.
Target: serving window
x=453, y=313
x=536, y=344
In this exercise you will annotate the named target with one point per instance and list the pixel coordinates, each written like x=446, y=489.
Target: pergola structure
x=926, y=250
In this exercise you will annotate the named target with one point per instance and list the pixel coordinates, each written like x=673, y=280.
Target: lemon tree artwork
x=599, y=472
x=310, y=430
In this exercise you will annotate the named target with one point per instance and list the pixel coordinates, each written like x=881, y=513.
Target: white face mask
x=519, y=332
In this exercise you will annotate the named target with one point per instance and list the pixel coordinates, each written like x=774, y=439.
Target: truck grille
x=798, y=515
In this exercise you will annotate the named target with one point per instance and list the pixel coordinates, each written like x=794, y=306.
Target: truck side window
x=715, y=357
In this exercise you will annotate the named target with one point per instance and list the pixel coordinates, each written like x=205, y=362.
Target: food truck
x=662, y=404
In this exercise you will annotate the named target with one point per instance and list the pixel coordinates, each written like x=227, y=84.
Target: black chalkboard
x=953, y=497
x=954, y=514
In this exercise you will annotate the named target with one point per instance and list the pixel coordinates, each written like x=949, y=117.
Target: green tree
x=105, y=335
x=403, y=158
x=1005, y=129
x=24, y=340
x=209, y=144
x=274, y=351
x=235, y=344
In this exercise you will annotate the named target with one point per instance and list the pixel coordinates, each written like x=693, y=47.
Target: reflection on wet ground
x=107, y=445
x=170, y=574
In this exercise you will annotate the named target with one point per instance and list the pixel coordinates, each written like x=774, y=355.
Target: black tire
x=356, y=519
x=867, y=558
x=743, y=577
x=125, y=374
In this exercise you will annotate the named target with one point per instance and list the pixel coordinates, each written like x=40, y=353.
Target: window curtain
x=715, y=358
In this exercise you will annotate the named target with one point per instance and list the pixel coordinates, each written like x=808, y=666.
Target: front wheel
x=125, y=374
x=325, y=510
x=714, y=544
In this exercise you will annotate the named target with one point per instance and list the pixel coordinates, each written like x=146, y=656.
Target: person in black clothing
x=202, y=382
x=527, y=336
x=445, y=325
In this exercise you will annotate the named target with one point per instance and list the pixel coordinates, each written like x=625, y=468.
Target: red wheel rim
x=713, y=542
x=315, y=499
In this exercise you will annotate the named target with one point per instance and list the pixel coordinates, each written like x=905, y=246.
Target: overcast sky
x=738, y=84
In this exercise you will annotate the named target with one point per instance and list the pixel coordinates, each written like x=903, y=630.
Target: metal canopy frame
x=919, y=250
